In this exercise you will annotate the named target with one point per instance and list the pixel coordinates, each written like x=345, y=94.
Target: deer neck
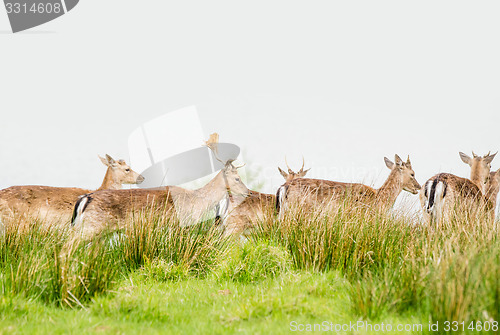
x=475, y=177
x=193, y=205
x=214, y=191
x=491, y=195
x=389, y=191
x=110, y=182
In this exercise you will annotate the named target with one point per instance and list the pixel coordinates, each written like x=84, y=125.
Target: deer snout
x=413, y=188
x=416, y=188
x=140, y=179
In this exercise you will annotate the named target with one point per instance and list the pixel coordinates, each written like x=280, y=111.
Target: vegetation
x=354, y=265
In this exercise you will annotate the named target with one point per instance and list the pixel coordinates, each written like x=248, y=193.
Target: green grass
x=193, y=306
x=353, y=266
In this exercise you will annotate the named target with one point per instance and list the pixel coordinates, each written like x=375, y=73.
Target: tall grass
x=33, y=264
x=38, y=262
x=150, y=235
x=397, y=264
x=393, y=263
x=351, y=239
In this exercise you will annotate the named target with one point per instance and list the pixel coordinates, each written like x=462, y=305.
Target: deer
x=317, y=193
x=238, y=216
x=445, y=193
x=56, y=203
x=480, y=168
x=290, y=175
x=108, y=209
x=492, y=192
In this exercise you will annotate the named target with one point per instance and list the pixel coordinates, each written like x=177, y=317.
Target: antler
x=303, y=163
x=473, y=154
x=230, y=163
x=289, y=169
x=239, y=167
x=212, y=143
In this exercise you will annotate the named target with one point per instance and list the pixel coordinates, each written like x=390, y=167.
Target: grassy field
x=355, y=269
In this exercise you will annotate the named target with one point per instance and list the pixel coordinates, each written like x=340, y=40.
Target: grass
x=354, y=265
x=189, y=306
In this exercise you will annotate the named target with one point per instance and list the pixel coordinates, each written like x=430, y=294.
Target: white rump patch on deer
x=438, y=197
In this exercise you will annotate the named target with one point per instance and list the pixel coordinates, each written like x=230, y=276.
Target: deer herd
x=237, y=209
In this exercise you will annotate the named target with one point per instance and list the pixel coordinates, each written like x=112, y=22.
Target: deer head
x=405, y=173
x=232, y=179
x=291, y=175
x=120, y=173
x=480, y=168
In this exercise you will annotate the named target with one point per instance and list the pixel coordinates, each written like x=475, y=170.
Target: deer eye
x=127, y=170
x=413, y=175
x=237, y=179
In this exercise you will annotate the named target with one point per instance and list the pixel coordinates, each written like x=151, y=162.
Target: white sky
x=343, y=84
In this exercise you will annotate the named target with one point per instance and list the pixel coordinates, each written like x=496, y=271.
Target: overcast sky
x=343, y=84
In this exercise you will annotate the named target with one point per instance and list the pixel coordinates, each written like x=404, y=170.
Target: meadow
x=355, y=266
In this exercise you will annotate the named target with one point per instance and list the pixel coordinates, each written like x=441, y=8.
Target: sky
x=342, y=84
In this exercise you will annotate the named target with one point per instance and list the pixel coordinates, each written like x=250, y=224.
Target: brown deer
x=492, y=192
x=102, y=210
x=479, y=168
x=57, y=203
x=239, y=214
x=317, y=193
x=292, y=175
x=446, y=194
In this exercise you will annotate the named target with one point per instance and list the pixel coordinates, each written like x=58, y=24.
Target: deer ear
x=103, y=160
x=388, y=163
x=466, y=159
x=398, y=160
x=283, y=173
x=110, y=160
x=303, y=173
x=408, y=163
x=489, y=158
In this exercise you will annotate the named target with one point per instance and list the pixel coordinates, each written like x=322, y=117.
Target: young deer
x=317, y=193
x=237, y=215
x=98, y=211
x=56, y=203
x=446, y=194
